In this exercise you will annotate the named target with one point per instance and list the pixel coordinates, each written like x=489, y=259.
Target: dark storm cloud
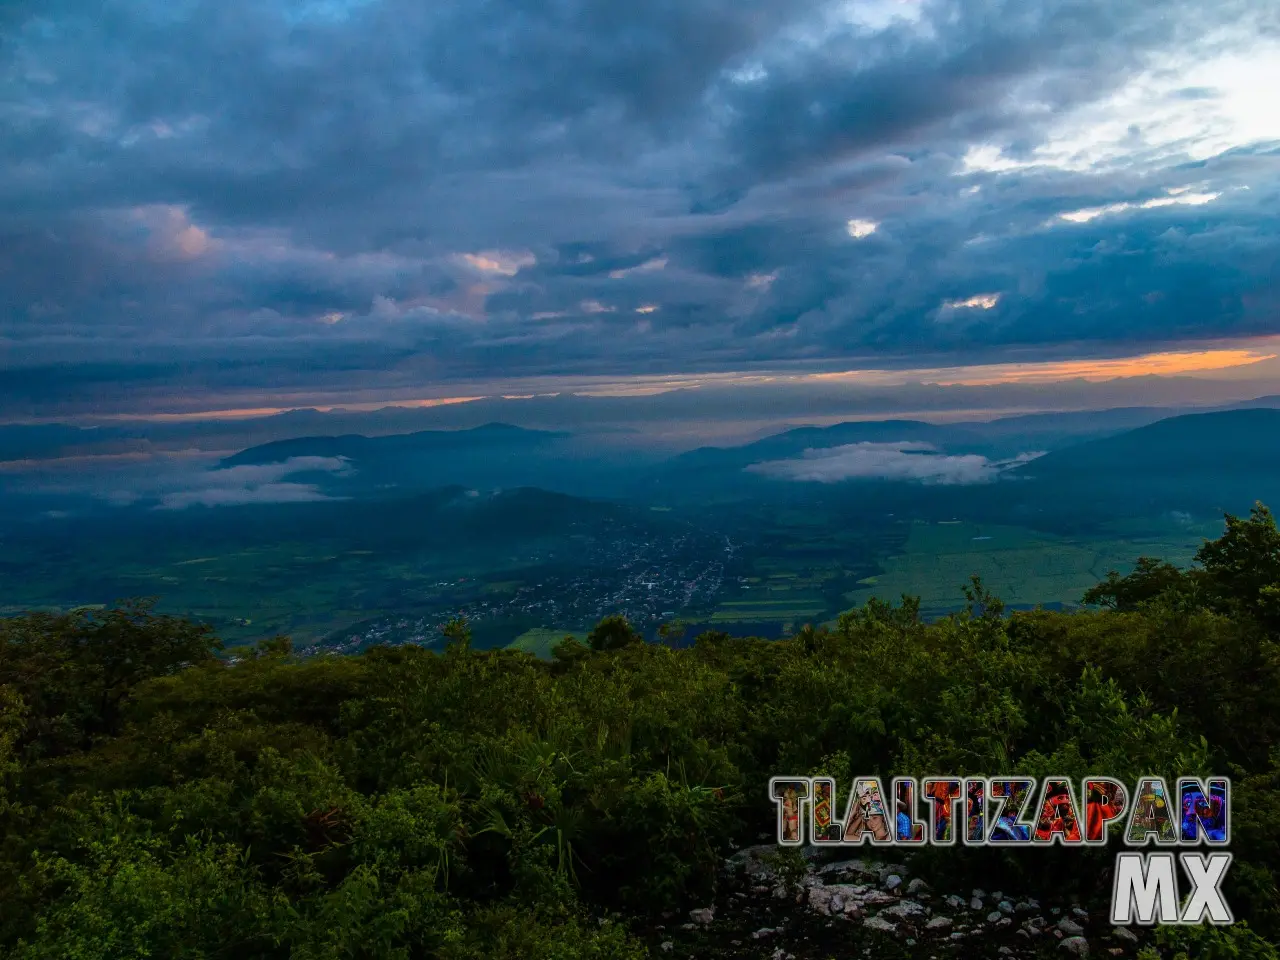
x=236, y=196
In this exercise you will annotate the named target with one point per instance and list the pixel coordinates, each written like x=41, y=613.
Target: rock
x=780, y=954
x=905, y=910
x=860, y=867
x=957, y=935
x=666, y=946
x=892, y=882
x=703, y=915
x=954, y=902
x=1005, y=952
x=780, y=891
x=923, y=896
x=688, y=926
x=878, y=897
x=975, y=904
x=938, y=923
x=979, y=893
x=879, y=923
x=917, y=887
x=1082, y=914
x=834, y=899
x=891, y=868
x=763, y=932
x=1022, y=906
x=910, y=942
x=1003, y=923
x=1116, y=951
x=1024, y=934
x=1004, y=906
x=1122, y=933
x=1055, y=911
x=751, y=860
x=1076, y=946
x=997, y=895
x=1070, y=928
x=993, y=916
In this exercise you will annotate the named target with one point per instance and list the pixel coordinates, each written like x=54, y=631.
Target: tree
x=1242, y=567
x=1150, y=578
x=613, y=633
x=673, y=631
x=75, y=670
x=457, y=635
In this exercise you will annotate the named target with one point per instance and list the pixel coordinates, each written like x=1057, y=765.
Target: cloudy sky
x=225, y=204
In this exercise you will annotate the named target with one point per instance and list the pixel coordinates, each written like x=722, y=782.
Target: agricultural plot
x=1021, y=566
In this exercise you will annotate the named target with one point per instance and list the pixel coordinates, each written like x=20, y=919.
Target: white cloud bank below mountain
x=910, y=461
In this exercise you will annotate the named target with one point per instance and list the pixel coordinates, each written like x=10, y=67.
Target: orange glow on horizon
x=245, y=413
x=1051, y=371
x=1166, y=363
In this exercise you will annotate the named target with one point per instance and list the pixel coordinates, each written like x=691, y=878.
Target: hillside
x=1231, y=441
x=490, y=439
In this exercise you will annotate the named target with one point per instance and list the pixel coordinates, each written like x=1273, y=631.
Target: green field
x=1020, y=566
x=540, y=640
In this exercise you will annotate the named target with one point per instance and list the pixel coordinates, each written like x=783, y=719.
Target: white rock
x=975, y=904
x=938, y=923
x=879, y=923
x=917, y=886
x=1122, y=933
x=703, y=915
x=1070, y=928
x=666, y=946
x=905, y=909
x=1076, y=946
x=993, y=916
x=892, y=882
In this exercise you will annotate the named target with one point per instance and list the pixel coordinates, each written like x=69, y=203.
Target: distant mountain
x=491, y=438
x=1197, y=463
x=793, y=443
x=1226, y=442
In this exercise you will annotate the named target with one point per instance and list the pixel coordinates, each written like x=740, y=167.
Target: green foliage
x=612, y=633
x=158, y=801
x=457, y=635
x=1236, y=942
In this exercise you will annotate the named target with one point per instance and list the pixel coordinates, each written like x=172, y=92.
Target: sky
x=233, y=205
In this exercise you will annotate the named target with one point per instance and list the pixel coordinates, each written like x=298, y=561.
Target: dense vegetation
x=160, y=800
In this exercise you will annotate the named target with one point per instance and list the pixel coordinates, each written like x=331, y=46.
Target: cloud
x=913, y=461
x=290, y=199
x=861, y=228
x=253, y=483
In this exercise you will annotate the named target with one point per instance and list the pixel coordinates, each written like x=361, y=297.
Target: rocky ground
x=856, y=908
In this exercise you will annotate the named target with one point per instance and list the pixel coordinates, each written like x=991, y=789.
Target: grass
x=540, y=640
x=1021, y=566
